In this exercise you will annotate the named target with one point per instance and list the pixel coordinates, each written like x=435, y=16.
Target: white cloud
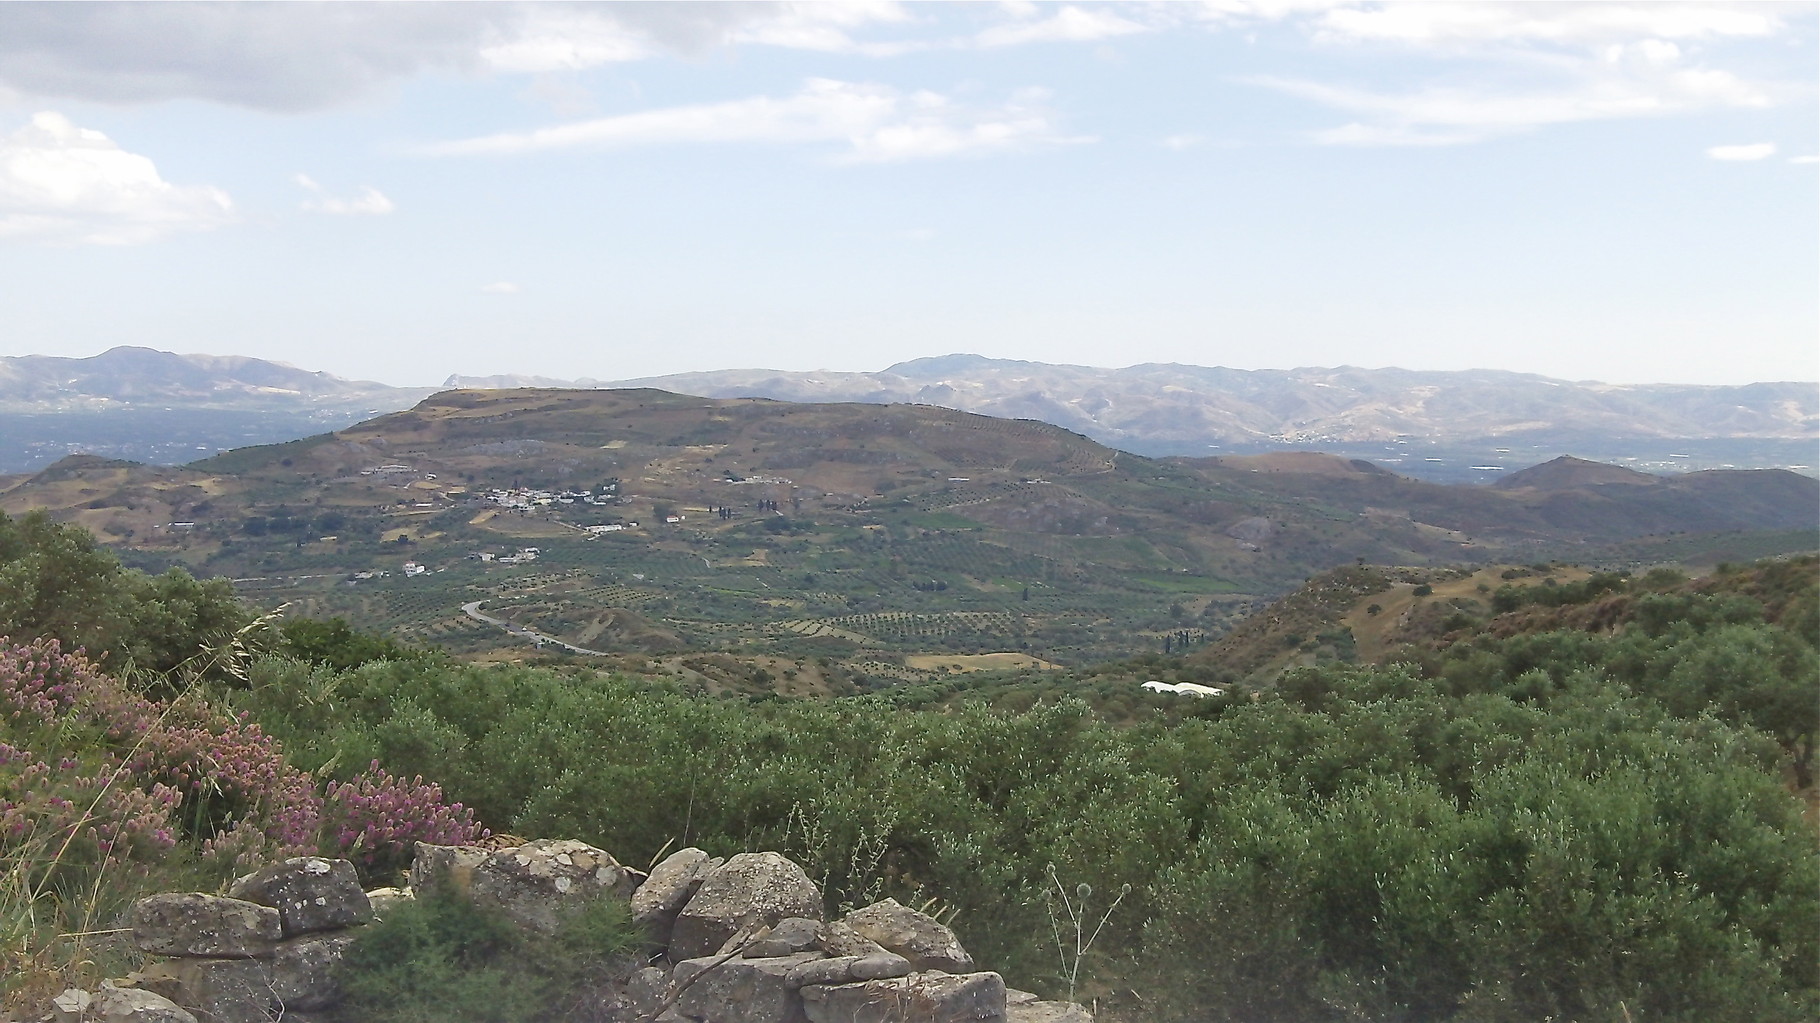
x=267, y=56
x=826, y=27
x=370, y=202
x=295, y=57
x=1810, y=158
x=1186, y=140
x=878, y=123
x=68, y=185
x=566, y=39
x=1068, y=25
x=1752, y=151
x=500, y=288
x=1573, y=24
x=1648, y=78
x=1222, y=13
x=1512, y=67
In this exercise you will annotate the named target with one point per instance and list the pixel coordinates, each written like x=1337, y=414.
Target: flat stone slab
x=741, y=990
x=918, y=937
x=917, y=998
x=786, y=937
x=193, y=924
x=116, y=1005
x=837, y=939
x=1047, y=1012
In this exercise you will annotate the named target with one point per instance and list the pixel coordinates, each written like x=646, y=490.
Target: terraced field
x=862, y=535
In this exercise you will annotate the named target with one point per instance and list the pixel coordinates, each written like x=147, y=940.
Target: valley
x=849, y=546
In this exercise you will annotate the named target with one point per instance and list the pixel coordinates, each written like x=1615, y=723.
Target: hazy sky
x=1624, y=192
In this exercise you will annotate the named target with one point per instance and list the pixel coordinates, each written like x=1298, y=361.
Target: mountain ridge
x=147, y=405
x=130, y=373
x=1452, y=426
x=1286, y=406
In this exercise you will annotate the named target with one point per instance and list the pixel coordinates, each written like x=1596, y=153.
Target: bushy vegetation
x=1582, y=811
x=57, y=583
x=442, y=959
x=113, y=785
x=1565, y=825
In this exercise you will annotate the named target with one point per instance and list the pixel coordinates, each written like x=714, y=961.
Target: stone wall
x=740, y=940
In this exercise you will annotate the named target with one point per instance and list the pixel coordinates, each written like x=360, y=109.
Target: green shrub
x=442, y=959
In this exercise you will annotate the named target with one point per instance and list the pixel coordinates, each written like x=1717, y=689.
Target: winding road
x=472, y=610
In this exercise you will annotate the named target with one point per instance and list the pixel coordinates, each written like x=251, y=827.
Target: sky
x=400, y=192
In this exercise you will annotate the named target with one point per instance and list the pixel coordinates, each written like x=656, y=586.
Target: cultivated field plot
x=900, y=627
x=977, y=662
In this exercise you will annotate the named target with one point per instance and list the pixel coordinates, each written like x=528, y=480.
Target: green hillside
x=861, y=544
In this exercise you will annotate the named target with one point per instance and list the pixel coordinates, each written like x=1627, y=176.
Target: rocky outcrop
x=533, y=884
x=918, y=937
x=669, y=888
x=747, y=891
x=116, y=1005
x=744, y=941
x=310, y=894
x=194, y=924
x=915, y=998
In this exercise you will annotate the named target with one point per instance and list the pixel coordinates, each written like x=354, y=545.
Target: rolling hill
x=864, y=534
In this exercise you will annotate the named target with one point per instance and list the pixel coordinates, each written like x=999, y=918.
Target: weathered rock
x=1015, y=997
x=193, y=924
x=916, y=936
x=535, y=884
x=310, y=893
x=880, y=966
x=1047, y=1012
x=821, y=971
x=917, y=998
x=741, y=990
x=384, y=899
x=216, y=990
x=117, y=1005
x=786, y=937
x=668, y=889
x=749, y=890
x=837, y=939
x=445, y=867
x=70, y=1004
x=304, y=969
x=646, y=990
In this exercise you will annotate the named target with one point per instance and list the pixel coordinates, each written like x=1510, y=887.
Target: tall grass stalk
x=1078, y=917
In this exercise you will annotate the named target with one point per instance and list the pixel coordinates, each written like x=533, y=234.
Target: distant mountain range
x=1473, y=425
x=1435, y=425
x=146, y=376
x=152, y=406
x=1194, y=407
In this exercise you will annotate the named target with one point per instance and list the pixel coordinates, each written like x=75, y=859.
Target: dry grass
x=976, y=662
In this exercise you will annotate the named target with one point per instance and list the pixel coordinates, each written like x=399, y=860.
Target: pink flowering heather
x=376, y=819
x=90, y=770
